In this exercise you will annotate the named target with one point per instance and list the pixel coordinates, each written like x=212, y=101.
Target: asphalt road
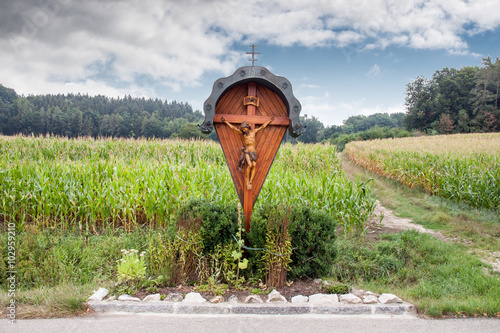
x=124, y=323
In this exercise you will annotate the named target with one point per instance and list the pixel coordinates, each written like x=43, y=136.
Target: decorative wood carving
x=251, y=116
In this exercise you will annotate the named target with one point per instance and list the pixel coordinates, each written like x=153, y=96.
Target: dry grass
x=64, y=300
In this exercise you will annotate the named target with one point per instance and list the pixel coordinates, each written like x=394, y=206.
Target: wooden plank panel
x=268, y=145
x=227, y=101
x=231, y=144
x=240, y=108
x=268, y=158
x=274, y=105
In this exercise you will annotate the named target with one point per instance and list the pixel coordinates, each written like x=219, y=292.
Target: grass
x=60, y=269
x=441, y=279
x=63, y=300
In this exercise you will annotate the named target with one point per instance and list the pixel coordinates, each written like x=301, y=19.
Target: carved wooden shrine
x=251, y=102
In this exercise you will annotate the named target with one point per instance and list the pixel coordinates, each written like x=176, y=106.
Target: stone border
x=258, y=309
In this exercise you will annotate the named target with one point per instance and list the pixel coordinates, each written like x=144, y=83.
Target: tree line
x=455, y=101
x=77, y=115
x=452, y=101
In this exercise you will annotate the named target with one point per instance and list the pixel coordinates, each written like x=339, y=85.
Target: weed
x=276, y=257
x=338, y=288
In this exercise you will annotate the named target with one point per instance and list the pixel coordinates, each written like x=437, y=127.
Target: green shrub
x=219, y=223
x=312, y=235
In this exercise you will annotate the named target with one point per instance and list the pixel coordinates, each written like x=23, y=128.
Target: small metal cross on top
x=253, y=53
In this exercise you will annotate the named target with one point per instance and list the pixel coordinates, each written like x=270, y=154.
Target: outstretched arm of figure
x=264, y=125
x=230, y=126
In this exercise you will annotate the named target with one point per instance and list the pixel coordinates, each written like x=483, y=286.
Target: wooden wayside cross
x=251, y=117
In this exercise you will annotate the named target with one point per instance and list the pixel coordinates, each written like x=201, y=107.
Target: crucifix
x=251, y=110
x=248, y=151
x=250, y=129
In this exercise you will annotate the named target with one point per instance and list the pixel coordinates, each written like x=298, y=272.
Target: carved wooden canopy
x=262, y=76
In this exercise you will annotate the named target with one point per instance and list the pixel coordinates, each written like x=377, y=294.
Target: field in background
x=461, y=167
x=89, y=185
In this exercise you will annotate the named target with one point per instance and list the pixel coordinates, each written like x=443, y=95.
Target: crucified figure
x=249, y=154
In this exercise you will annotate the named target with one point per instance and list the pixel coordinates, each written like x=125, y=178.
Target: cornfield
x=89, y=185
x=461, y=167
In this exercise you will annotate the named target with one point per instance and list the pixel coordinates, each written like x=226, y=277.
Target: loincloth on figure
x=251, y=154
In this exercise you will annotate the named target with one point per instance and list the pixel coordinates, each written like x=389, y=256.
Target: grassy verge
x=63, y=300
x=441, y=279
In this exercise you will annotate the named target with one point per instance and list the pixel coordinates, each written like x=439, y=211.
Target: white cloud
x=374, y=70
x=109, y=44
x=332, y=111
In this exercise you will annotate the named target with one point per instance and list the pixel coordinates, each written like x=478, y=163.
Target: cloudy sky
x=343, y=57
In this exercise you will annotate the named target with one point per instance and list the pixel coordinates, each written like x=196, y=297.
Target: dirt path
x=386, y=221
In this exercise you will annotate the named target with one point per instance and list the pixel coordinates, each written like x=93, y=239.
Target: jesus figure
x=249, y=154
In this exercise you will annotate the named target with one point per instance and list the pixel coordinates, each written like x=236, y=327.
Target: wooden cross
x=253, y=53
x=235, y=110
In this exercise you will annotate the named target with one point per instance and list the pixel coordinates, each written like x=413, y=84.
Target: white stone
x=275, y=297
x=323, y=299
x=173, y=297
x=358, y=292
x=318, y=281
x=253, y=299
x=370, y=299
x=152, y=298
x=99, y=294
x=389, y=298
x=194, y=298
x=233, y=299
x=369, y=293
x=350, y=298
x=300, y=299
x=217, y=299
x=128, y=298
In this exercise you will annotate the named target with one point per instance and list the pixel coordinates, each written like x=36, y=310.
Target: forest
x=455, y=101
x=452, y=101
x=95, y=116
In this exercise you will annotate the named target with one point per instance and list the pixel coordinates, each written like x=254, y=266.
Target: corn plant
x=462, y=167
x=90, y=185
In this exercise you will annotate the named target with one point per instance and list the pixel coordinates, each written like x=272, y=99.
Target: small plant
x=131, y=269
x=339, y=289
x=258, y=291
x=212, y=286
x=312, y=236
x=162, y=259
x=236, y=255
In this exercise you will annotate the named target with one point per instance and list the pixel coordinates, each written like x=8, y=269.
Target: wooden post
x=248, y=194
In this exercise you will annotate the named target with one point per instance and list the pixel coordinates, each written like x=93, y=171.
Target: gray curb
x=243, y=308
